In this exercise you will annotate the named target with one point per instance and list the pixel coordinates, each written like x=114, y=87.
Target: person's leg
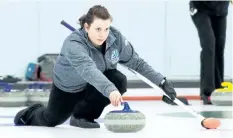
x=219, y=24
x=93, y=105
x=207, y=56
x=59, y=109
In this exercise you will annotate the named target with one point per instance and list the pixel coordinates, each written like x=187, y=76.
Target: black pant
x=94, y=103
x=212, y=35
x=87, y=104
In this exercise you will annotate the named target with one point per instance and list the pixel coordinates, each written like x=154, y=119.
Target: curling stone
x=37, y=94
x=10, y=97
x=221, y=98
x=124, y=121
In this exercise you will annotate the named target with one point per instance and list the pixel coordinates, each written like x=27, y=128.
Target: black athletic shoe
x=206, y=100
x=83, y=123
x=24, y=116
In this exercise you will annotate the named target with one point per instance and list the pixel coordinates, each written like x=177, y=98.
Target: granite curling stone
x=124, y=121
x=221, y=98
x=37, y=94
x=10, y=97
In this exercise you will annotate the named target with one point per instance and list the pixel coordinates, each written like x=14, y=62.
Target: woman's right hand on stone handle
x=115, y=98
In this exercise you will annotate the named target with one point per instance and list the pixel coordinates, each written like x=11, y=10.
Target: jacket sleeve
x=79, y=58
x=131, y=59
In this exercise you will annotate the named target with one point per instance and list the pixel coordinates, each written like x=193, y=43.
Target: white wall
x=32, y=28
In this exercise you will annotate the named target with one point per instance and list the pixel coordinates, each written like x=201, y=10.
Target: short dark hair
x=95, y=11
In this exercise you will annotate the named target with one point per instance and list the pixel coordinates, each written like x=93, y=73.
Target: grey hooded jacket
x=79, y=63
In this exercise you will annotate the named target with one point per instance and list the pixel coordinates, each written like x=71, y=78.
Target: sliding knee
x=118, y=79
x=121, y=84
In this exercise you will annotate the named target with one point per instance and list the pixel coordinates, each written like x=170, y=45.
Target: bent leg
x=59, y=109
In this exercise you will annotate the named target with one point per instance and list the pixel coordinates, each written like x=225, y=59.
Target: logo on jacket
x=115, y=56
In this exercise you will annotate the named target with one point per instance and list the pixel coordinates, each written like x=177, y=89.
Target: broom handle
x=177, y=101
x=67, y=25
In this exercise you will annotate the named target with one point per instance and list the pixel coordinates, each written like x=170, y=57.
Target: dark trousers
x=212, y=34
x=94, y=102
x=87, y=104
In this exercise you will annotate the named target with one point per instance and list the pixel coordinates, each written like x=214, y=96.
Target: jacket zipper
x=105, y=59
x=103, y=55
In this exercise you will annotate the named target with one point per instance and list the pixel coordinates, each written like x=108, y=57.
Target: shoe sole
x=82, y=124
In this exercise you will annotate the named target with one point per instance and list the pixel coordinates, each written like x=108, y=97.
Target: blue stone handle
x=36, y=86
x=7, y=87
x=126, y=107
